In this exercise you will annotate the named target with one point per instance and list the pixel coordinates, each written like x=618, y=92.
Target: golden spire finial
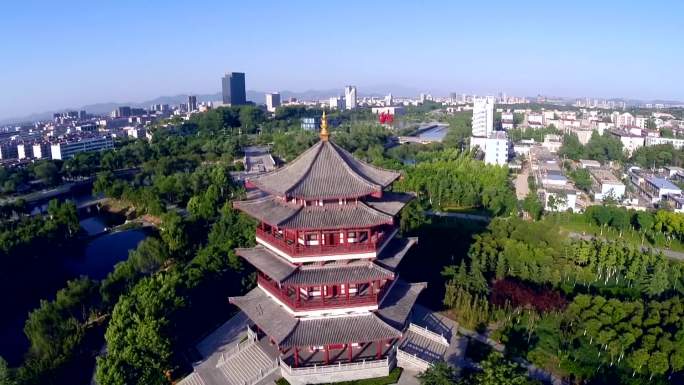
x=324, y=128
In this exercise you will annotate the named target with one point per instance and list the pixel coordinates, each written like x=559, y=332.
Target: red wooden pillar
x=349, y=348
x=378, y=349
x=327, y=354
x=347, y=287
x=370, y=284
x=299, y=295
x=296, y=356
x=323, y=293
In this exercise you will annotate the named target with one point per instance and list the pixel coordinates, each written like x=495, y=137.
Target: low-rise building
x=559, y=199
x=67, y=148
x=659, y=188
x=392, y=110
x=630, y=142
x=552, y=142
x=677, y=143
x=588, y=163
x=606, y=185
x=310, y=123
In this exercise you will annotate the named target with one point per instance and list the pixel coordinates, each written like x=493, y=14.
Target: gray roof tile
x=272, y=318
x=266, y=261
x=275, y=212
x=336, y=330
x=397, y=304
x=323, y=171
x=392, y=255
x=390, y=203
x=355, y=272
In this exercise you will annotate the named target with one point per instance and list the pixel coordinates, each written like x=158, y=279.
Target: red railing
x=318, y=302
x=293, y=248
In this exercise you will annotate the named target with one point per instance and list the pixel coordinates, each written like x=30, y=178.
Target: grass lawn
x=468, y=210
x=393, y=378
x=577, y=224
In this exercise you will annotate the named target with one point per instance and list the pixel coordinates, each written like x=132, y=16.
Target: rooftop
x=276, y=212
x=288, y=330
x=662, y=183
x=325, y=171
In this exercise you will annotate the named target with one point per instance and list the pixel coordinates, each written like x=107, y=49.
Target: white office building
x=272, y=101
x=67, y=148
x=483, y=116
x=350, y=97
x=336, y=103
x=496, y=148
x=675, y=142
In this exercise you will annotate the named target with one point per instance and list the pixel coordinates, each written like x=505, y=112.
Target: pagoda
x=328, y=293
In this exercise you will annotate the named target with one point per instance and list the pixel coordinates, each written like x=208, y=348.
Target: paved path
x=221, y=340
x=678, y=255
x=522, y=188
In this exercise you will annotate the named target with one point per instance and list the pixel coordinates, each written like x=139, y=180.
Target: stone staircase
x=419, y=348
x=248, y=365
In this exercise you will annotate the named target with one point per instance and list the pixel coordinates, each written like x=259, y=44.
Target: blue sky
x=57, y=54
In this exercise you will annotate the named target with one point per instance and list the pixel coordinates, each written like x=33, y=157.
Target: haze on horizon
x=68, y=54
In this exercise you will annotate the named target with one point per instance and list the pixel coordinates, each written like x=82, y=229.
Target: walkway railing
x=340, y=367
x=297, y=250
x=262, y=373
x=412, y=359
x=318, y=303
x=427, y=333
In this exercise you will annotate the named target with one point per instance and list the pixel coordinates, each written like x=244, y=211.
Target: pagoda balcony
x=294, y=246
x=367, y=295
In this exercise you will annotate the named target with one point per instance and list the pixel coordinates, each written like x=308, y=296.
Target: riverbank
x=93, y=256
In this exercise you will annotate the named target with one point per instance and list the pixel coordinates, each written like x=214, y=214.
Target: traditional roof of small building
x=323, y=171
x=350, y=273
x=276, y=212
x=335, y=330
x=267, y=262
x=271, y=317
x=397, y=304
x=392, y=255
x=288, y=330
x=390, y=203
x=284, y=272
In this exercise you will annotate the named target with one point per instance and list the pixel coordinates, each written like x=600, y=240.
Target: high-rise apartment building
x=483, y=116
x=272, y=101
x=233, y=89
x=192, y=103
x=350, y=97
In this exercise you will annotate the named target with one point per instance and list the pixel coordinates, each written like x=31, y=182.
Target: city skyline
x=432, y=47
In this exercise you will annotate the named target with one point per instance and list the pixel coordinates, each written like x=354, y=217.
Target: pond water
x=94, y=258
x=436, y=133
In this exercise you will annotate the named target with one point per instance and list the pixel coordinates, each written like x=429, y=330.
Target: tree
x=173, y=232
x=532, y=205
x=581, y=178
x=572, y=148
x=439, y=373
x=47, y=172
x=6, y=377
x=498, y=371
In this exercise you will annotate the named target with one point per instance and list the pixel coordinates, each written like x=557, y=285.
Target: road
x=522, y=188
x=678, y=255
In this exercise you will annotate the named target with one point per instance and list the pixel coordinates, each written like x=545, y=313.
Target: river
x=94, y=258
x=434, y=134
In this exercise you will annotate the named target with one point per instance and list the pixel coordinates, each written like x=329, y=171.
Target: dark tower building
x=233, y=89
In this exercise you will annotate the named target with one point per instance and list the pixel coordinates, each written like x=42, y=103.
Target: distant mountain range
x=257, y=97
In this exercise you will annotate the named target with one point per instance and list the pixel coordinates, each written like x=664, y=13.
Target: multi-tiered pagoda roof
x=327, y=256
